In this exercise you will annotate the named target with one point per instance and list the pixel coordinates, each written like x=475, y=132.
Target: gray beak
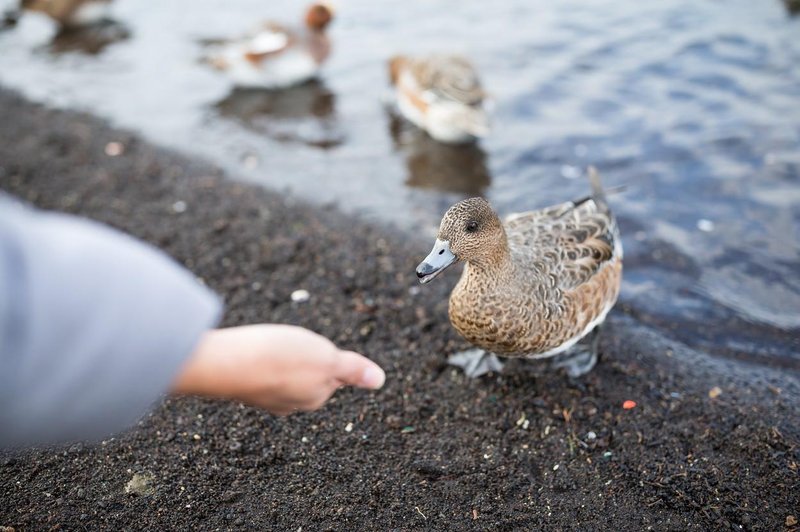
x=436, y=262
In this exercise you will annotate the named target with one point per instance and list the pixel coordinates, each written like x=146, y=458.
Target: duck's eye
x=472, y=226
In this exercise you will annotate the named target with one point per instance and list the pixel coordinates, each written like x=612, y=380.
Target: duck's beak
x=436, y=262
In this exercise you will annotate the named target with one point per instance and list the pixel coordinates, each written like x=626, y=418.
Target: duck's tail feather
x=597, y=186
x=598, y=192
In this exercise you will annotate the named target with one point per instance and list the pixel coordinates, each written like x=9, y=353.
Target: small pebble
x=179, y=206
x=607, y=454
x=196, y=436
x=715, y=392
x=256, y=286
x=114, y=149
x=555, y=467
x=675, y=395
x=300, y=296
x=705, y=225
x=304, y=439
x=791, y=520
x=591, y=435
x=349, y=427
x=140, y=484
x=526, y=424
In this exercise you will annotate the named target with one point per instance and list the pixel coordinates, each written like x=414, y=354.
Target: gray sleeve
x=94, y=326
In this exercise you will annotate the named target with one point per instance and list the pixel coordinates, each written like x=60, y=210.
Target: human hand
x=280, y=368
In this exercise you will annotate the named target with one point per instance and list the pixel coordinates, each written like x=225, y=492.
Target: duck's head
x=319, y=15
x=396, y=66
x=470, y=231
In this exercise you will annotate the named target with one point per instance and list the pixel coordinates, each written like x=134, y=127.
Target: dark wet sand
x=431, y=450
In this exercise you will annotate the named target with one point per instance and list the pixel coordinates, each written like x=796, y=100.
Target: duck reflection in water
x=457, y=168
x=91, y=39
x=304, y=114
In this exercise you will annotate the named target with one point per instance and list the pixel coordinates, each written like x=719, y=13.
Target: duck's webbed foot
x=580, y=360
x=476, y=362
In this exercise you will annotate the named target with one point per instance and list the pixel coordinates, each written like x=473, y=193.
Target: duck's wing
x=570, y=242
x=270, y=39
x=449, y=78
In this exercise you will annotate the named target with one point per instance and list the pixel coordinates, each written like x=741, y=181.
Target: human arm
x=94, y=326
x=280, y=368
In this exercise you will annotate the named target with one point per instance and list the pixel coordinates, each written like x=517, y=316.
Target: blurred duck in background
x=277, y=56
x=442, y=95
x=70, y=13
x=79, y=25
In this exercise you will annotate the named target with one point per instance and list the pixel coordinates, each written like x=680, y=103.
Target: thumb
x=353, y=369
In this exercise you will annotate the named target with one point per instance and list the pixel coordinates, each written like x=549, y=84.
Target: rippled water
x=695, y=106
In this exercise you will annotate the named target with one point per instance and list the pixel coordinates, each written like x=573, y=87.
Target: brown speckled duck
x=534, y=285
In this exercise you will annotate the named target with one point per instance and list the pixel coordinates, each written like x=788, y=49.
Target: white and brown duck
x=533, y=285
x=70, y=13
x=278, y=56
x=442, y=95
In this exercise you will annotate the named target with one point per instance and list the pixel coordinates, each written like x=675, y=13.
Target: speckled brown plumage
x=449, y=77
x=534, y=284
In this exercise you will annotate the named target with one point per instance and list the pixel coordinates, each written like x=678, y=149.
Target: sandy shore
x=432, y=450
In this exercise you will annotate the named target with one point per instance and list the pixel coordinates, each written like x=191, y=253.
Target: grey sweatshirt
x=94, y=326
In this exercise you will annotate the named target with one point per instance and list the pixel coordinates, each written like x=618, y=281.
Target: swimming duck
x=277, y=56
x=442, y=95
x=533, y=285
x=70, y=13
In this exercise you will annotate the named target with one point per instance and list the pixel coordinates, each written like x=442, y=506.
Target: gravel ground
x=432, y=449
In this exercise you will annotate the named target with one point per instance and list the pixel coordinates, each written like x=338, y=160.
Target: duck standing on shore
x=442, y=95
x=277, y=56
x=534, y=285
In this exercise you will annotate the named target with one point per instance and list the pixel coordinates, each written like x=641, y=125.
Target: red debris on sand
x=627, y=405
